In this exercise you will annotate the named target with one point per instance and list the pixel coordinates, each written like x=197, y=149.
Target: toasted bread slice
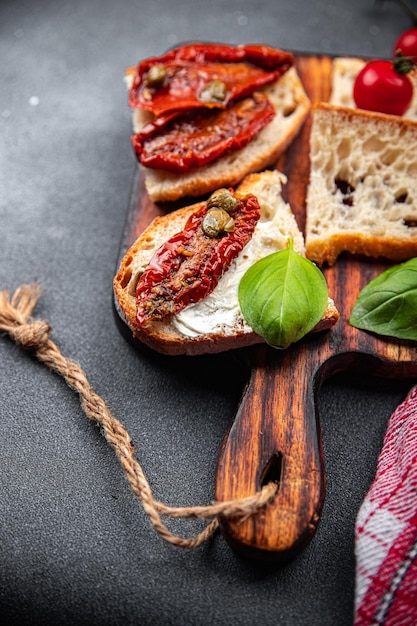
x=362, y=193
x=214, y=324
x=291, y=106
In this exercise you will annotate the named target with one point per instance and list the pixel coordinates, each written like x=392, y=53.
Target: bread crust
x=163, y=336
x=328, y=250
x=291, y=105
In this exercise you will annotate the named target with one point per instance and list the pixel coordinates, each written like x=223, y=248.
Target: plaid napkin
x=386, y=529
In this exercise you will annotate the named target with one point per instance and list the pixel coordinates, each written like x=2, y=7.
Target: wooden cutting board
x=276, y=434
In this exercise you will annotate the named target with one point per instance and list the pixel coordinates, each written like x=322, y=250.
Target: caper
x=230, y=225
x=156, y=75
x=217, y=221
x=223, y=199
x=215, y=90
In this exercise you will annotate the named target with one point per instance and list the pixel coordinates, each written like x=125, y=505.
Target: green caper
x=215, y=90
x=156, y=75
x=223, y=199
x=217, y=221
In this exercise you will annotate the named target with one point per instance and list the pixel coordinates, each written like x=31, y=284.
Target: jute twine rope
x=33, y=335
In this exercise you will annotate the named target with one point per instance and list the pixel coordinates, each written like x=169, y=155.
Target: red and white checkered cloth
x=386, y=529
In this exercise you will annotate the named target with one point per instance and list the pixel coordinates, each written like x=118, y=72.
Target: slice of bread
x=214, y=324
x=362, y=193
x=344, y=72
x=291, y=105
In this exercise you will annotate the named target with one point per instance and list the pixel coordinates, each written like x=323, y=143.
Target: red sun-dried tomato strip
x=189, y=69
x=194, y=140
x=190, y=264
x=260, y=55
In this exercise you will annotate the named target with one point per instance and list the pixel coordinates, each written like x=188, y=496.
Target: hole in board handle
x=272, y=472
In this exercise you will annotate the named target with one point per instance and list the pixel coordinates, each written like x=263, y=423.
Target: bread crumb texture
x=362, y=194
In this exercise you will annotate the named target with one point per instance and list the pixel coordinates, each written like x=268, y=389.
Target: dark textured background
x=75, y=545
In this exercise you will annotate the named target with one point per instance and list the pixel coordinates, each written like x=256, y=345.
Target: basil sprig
x=283, y=296
x=388, y=304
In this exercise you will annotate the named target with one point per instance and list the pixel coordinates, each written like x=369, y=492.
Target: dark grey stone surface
x=75, y=544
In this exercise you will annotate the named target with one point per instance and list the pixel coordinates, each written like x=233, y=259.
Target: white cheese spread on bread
x=220, y=311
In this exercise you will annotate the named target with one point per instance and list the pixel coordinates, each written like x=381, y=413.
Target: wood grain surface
x=276, y=434
x=277, y=425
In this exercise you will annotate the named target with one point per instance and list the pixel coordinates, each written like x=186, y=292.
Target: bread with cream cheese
x=215, y=323
x=362, y=193
x=291, y=106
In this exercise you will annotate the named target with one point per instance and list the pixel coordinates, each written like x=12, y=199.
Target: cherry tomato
x=407, y=43
x=378, y=87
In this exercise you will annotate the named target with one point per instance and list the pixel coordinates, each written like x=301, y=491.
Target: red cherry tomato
x=378, y=87
x=407, y=43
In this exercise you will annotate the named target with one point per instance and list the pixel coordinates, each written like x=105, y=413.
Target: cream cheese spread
x=219, y=312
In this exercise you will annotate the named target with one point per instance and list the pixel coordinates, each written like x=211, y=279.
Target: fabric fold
x=386, y=528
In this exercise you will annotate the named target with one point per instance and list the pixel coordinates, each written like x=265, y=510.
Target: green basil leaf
x=283, y=296
x=388, y=304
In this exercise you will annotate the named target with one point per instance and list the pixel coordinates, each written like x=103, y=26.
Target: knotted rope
x=33, y=335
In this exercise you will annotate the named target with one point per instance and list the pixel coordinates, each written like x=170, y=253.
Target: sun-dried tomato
x=189, y=70
x=195, y=139
x=190, y=264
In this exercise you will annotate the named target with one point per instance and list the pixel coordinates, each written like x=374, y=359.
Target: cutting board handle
x=275, y=437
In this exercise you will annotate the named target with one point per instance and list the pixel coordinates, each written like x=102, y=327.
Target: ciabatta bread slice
x=362, y=193
x=344, y=72
x=291, y=106
x=215, y=323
